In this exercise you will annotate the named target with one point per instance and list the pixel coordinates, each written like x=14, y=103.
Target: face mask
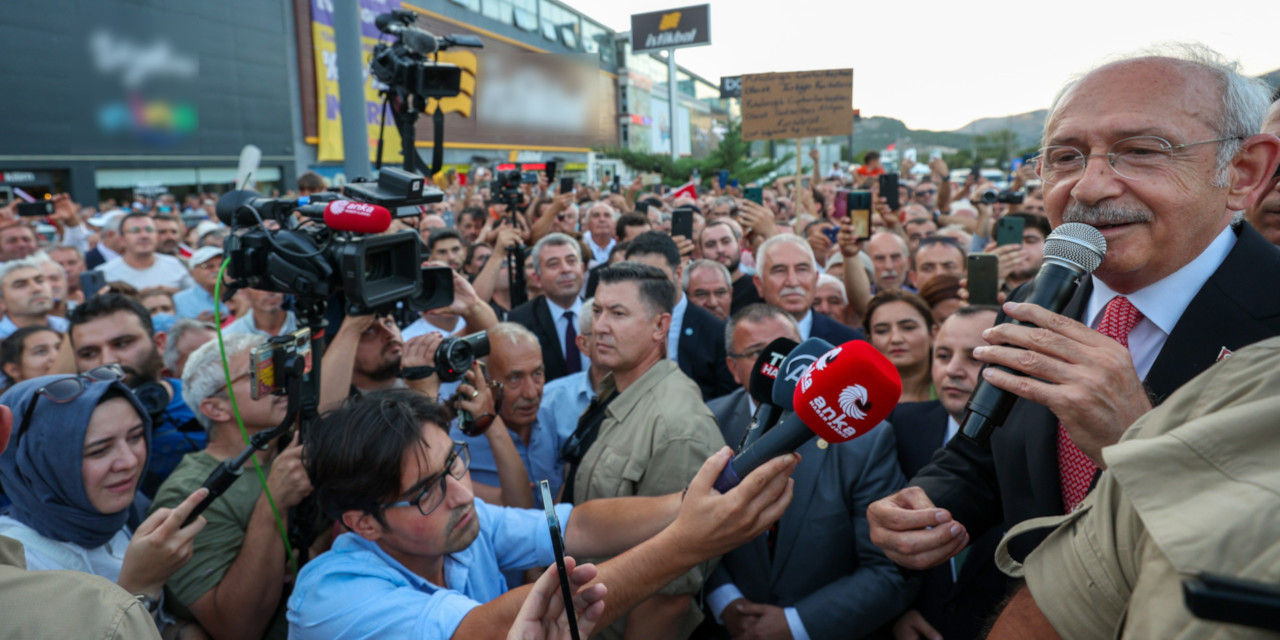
x=163, y=321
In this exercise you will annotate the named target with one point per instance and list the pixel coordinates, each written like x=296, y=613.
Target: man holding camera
x=235, y=582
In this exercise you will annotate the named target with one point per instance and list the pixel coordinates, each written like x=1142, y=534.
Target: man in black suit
x=1150, y=151
x=955, y=598
x=552, y=316
x=747, y=333
x=787, y=278
x=816, y=574
x=721, y=240
x=696, y=338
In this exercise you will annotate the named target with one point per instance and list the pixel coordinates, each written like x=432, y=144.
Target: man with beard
x=516, y=440
x=1150, y=152
x=721, y=241
x=168, y=235
x=27, y=296
x=116, y=329
x=446, y=246
x=1264, y=215
x=140, y=265
x=553, y=315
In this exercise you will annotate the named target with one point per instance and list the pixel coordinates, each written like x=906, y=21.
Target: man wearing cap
x=109, y=241
x=197, y=301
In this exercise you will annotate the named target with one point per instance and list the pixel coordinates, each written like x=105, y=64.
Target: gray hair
x=757, y=312
x=66, y=247
x=1244, y=100
x=512, y=334
x=42, y=258
x=783, y=238
x=204, y=377
x=9, y=267
x=705, y=264
x=613, y=211
x=827, y=278
x=553, y=240
x=175, y=333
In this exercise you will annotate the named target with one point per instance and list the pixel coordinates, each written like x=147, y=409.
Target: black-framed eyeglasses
x=64, y=390
x=1136, y=158
x=433, y=490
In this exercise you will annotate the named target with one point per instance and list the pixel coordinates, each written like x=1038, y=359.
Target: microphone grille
x=1077, y=243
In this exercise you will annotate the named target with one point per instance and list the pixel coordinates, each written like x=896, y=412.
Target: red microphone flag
x=847, y=391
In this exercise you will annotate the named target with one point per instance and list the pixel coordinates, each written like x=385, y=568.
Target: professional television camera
x=412, y=71
x=313, y=260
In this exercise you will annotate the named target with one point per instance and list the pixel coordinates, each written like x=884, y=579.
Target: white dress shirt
x=1161, y=303
x=806, y=325
x=561, y=323
x=677, y=325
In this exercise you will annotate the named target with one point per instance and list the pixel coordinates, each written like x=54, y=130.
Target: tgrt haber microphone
x=760, y=388
x=1071, y=252
x=844, y=394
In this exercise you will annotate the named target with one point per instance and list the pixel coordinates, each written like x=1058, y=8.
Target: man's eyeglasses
x=750, y=354
x=926, y=192
x=433, y=490
x=1136, y=158
x=64, y=390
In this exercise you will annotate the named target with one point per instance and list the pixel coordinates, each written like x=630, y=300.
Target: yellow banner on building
x=329, y=104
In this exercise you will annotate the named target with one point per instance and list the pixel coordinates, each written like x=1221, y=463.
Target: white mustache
x=1106, y=213
x=786, y=291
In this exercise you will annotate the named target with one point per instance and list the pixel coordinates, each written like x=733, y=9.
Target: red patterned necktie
x=1074, y=467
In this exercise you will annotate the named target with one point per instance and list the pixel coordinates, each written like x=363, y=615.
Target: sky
x=940, y=65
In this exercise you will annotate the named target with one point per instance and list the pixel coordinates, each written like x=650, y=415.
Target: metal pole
x=355, y=131
x=671, y=90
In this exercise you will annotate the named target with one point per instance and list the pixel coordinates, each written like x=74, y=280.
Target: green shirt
x=218, y=544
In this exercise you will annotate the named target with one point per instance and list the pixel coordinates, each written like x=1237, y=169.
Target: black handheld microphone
x=760, y=388
x=1071, y=252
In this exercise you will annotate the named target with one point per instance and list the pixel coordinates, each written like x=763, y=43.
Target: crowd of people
x=619, y=369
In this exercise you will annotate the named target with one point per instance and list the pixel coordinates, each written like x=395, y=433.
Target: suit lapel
x=543, y=312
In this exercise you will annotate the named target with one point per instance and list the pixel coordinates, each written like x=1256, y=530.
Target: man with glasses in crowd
x=140, y=264
x=1149, y=151
x=424, y=558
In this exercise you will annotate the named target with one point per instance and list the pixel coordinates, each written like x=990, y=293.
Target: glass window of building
x=559, y=24
x=521, y=13
x=473, y=5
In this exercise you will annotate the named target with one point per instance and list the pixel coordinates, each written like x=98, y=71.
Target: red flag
x=890, y=147
x=689, y=190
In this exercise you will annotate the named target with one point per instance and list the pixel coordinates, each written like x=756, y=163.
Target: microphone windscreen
x=358, y=217
x=805, y=354
x=765, y=370
x=229, y=204
x=847, y=391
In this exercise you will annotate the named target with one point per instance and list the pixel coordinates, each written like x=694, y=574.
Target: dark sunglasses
x=64, y=390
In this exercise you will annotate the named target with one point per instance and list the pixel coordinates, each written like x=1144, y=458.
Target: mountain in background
x=1028, y=127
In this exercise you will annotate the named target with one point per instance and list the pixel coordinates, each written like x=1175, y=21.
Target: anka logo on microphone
x=818, y=365
x=348, y=208
x=853, y=403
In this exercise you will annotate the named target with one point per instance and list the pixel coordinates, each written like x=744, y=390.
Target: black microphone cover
x=805, y=354
x=765, y=370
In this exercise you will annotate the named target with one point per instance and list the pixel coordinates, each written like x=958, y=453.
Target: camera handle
x=405, y=108
x=232, y=468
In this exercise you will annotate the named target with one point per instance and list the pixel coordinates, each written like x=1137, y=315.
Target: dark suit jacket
x=958, y=607
x=744, y=293
x=1015, y=477
x=701, y=354
x=732, y=412
x=93, y=259
x=535, y=316
x=824, y=564
x=833, y=331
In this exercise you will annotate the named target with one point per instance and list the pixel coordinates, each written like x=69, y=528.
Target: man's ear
x=911, y=276
x=759, y=283
x=160, y=339
x=1252, y=170
x=216, y=409
x=362, y=524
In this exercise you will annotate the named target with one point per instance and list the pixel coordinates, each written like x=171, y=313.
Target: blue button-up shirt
x=541, y=457
x=356, y=590
x=193, y=301
x=563, y=401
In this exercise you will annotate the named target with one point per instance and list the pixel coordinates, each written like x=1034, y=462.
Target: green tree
x=731, y=154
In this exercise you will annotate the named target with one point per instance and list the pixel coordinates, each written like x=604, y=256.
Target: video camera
x=342, y=254
x=405, y=63
x=455, y=356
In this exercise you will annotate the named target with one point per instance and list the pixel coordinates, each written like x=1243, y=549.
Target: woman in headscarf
x=76, y=455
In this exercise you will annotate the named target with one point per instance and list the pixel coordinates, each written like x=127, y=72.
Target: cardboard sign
x=802, y=104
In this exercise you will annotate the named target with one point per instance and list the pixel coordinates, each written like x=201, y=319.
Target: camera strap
x=437, y=146
x=576, y=447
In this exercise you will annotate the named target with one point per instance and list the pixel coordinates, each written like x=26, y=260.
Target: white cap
x=204, y=227
x=102, y=220
x=203, y=255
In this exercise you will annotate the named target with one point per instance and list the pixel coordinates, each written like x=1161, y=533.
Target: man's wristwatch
x=150, y=604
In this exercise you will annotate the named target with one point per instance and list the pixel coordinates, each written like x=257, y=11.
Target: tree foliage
x=731, y=155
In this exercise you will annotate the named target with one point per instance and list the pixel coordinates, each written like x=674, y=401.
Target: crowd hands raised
x=618, y=374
